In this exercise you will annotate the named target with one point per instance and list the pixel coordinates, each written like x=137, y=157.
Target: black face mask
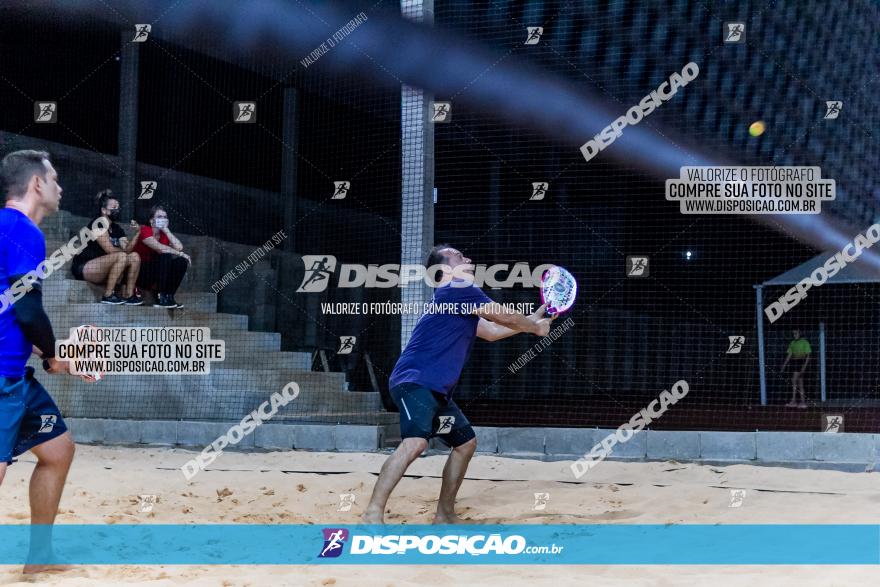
x=113, y=215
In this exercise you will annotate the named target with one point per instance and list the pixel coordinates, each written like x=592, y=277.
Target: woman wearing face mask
x=109, y=259
x=163, y=262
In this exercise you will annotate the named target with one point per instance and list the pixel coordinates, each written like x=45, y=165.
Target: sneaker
x=134, y=301
x=165, y=302
x=112, y=299
x=175, y=302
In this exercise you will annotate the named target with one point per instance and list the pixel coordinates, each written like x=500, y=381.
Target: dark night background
x=633, y=337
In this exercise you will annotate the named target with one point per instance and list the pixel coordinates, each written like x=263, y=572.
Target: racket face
x=558, y=290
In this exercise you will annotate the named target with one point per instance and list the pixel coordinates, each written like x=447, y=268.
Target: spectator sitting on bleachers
x=163, y=261
x=105, y=260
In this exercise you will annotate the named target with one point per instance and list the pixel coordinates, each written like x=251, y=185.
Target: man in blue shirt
x=426, y=374
x=29, y=418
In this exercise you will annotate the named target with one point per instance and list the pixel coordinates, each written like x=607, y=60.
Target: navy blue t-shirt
x=441, y=341
x=22, y=248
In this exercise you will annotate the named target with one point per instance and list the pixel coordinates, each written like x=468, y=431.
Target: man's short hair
x=435, y=257
x=17, y=169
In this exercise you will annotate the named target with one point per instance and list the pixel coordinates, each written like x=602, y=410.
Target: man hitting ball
x=426, y=375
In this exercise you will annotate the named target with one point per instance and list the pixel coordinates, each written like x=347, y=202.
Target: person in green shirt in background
x=799, y=351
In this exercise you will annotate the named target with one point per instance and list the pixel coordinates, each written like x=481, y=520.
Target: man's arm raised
x=510, y=320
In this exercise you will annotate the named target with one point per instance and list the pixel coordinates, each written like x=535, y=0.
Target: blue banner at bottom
x=204, y=544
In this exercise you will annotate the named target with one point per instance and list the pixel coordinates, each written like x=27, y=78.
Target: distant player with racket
x=426, y=375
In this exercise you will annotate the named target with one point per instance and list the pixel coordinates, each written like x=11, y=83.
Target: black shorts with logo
x=428, y=414
x=28, y=415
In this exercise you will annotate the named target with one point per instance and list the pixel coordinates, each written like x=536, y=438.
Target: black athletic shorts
x=28, y=415
x=427, y=414
x=795, y=365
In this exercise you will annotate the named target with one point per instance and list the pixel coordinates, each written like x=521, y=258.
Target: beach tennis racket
x=558, y=290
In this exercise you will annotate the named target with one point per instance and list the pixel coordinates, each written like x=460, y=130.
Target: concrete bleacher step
x=122, y=315
x=167, y=397
x=57, y=291
x=218, y=385
x=280, y=359
x=254, y=367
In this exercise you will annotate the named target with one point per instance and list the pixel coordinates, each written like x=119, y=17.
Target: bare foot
x=33, y=569
x=448, y=519
x=373, y=517
x=802, y=406
x=791, y=405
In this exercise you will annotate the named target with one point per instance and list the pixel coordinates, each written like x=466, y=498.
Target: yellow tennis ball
x=757, y=128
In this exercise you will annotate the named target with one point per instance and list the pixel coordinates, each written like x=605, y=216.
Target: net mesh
x=345, y=166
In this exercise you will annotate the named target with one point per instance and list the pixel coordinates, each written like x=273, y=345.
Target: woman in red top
x=163, y=262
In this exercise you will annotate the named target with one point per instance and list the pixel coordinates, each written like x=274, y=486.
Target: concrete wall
x=853, y=452
x=195, y=434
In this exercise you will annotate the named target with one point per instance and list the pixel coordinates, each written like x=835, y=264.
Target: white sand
x=254, y=488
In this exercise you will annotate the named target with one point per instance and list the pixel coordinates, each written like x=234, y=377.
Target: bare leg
x=47, y=483
x=453, y=475
x=134, y=269
x=106, y=269
x=800, y=388
x=390, y=475
x=793, y=402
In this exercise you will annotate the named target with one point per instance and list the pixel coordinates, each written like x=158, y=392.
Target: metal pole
x=822, y=387
x=127, y=132
x=417, y=166
x=759, y=296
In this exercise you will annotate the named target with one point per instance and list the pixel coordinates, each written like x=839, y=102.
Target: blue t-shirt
x=22, y=248
x=442, y=339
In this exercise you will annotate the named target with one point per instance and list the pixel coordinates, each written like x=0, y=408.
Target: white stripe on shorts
x=408, y=417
